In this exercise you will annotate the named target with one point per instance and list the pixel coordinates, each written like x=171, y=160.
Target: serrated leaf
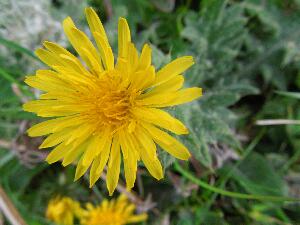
x=257, y=176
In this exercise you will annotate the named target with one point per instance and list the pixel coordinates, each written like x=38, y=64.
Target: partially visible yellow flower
x=102, y=109
x=115, y=212
x=62, y=210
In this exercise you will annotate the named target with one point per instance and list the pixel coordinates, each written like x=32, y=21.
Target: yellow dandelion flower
x=115, y=212
x=105, y=108
x=62, y=210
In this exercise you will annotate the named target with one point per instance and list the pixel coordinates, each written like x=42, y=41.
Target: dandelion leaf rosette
x=107, y=110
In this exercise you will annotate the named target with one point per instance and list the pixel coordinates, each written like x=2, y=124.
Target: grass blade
x=289, y=94
x=18, y=48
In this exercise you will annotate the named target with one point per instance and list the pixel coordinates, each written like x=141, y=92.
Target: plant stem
x=211, y=188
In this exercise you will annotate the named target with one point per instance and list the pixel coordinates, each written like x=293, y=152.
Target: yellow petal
x=70, y=60
x=57, y=137
x=62, y=60
x=94, y=172
x=113, y=170
x=83, y=131
x=123, y=67
x=100, y=162
x=49, y=83
x=153, y=166
x=58, y=95
x=95, y=23
x=148, y=154
x=144, y=139
x=171, y=85
x=157, y=133
x=130, y=160
x=96, y=146
x=48, y=58
x=80, y=41
x=124, y=38
x=50, y=74
x=159, y=98
x=137, y=218
x=51, y=108
x=129, y=209
x=105, y=154
x=145, y=59
x=57, y=153
x=92, y=147
x=77, y=149
x=183, y=96
x=143, y=79
x=93, y=62
x=167, y=142
x=73, y=65
x=124, y=144
x=80, y=170
x=35, y=105
x=53, y=125
x=160, y=118
x=131, y=58
x=174, y=68
x=130, y=168
x=57, y=49
x=43, y=128
x=100, y=37
x=105, y=51
x=75, y=78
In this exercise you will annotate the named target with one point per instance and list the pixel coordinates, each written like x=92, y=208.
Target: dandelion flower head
x=115, y=212
x=62, y=210
x=104, y=109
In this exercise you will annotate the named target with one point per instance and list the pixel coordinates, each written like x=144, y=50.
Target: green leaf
x=257, y=176
x=211, y=9
x=204, y=216
x=166, y=159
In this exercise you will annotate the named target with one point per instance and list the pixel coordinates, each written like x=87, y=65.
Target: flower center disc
x=109, y=101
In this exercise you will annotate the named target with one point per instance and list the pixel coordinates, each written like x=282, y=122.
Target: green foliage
x=215, y=38
x=266, y=182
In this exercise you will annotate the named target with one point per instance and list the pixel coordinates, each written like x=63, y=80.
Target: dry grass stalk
x=9, y=210
x=277, y=122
